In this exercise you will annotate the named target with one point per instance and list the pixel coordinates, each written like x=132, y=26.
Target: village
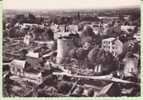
x=82, y=55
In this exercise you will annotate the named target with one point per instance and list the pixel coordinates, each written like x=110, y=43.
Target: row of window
x=106, y=42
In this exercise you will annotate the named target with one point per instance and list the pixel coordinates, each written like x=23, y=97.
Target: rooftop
x=109, y=39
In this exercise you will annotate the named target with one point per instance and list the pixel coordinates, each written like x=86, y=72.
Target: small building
x=33, y=59
x=33, y=54
x=62, y=28
x=113, y=45
x=137, y=36
x=72, y=28
x=33, y=77
x=126, y=28
x=17, y=68
x=27, y=39
x=131, y=65
x=55, y=28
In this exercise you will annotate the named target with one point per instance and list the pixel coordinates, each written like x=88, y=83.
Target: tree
x=99, y=57
x=80, y=54
x=48, y=34
x=121, y=17
x=19, y=18
x=87, y=35
x=31, y=18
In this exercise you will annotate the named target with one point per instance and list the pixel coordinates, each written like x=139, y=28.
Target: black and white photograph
x=71, y=48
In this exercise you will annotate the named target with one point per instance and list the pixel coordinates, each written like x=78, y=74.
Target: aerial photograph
x=71, y=48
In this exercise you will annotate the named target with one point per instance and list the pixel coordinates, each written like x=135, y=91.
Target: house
x=55, y=28
x=48, y=44
x=131, y=65
x=113, y=45
x=32, y=54
x=62, y=28
x=33, y=59
x=137, y=36
x=27, y=39
x=72, y=28
x=18, y=68
x=33, y=77
x=126, y=28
